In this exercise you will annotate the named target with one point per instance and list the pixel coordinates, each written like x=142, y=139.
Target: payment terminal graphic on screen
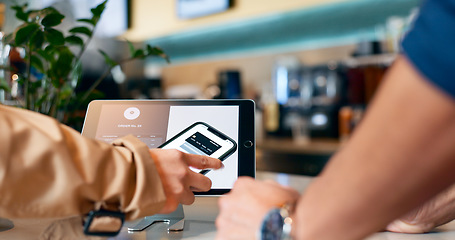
x=200, y=144
x=202, y=139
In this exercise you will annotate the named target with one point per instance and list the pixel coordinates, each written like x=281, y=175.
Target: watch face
x=272, y=226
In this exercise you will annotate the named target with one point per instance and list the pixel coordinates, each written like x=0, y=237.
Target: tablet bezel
x=246, y=131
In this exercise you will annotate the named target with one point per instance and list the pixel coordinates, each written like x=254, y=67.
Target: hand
x=242, y=210
x=178, y=180
x=438, y=211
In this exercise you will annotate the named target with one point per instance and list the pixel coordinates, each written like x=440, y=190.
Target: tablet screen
x=200, y=128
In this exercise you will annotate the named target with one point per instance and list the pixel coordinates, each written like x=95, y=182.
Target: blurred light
x=321, y=81
x=212, y=91
x=14, y=89
x=294, y=84
x=282, y=85
x=288, y=220
x=118, y=75
x=319, y=119
x=283, y=179
x=14, y=77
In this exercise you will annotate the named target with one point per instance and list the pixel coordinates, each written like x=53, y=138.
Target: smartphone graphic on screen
x=202, y=139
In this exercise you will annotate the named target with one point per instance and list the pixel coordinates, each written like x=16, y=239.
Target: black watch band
x=104, y=223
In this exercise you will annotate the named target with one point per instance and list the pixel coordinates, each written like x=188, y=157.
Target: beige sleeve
x=49, y=170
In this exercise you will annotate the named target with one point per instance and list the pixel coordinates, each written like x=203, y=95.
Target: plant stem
x=94, y=85
x=99, y=80
x=84, y=47
x=54, y=104
x=27, y=78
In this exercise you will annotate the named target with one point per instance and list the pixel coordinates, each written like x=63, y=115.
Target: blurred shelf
x=286, y=156
x=288, y=146
x=380, y=59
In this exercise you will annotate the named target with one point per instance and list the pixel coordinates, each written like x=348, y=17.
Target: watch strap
x=103, y=223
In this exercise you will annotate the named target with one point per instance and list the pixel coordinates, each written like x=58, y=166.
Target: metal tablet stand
x=175, y=219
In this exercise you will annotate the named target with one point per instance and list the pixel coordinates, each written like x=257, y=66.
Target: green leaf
x=18, y=8
x=50, y=49
x=24, y=33
x=37, y=63
x=55, y=82
x=83, y=30
x=20, y=12
x=86, y=21
x=131, y=47
x=98, y=10
x=34, y=86
x=59, y=70
x=50, y=10
x=107, y=59
x=37, y=39
x=43, y=54
x=64, y=63
x=41, y=100
x=52, y=20
x=66, y=92
x=47, y=53
x=155, y=51
x=22, y=16
x=54, y=37
x=139, y=54
x=4, y=85
x=21, y=79
x=74, y=40
x=95, y=19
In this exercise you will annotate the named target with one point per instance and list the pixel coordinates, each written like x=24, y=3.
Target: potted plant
x=53, y=60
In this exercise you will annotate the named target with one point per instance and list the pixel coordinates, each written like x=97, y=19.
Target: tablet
x=219, y=128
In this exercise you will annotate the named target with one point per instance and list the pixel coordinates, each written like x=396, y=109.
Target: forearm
x=49, y=170
x=400, y=156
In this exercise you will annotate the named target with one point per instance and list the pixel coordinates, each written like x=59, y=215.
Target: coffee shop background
x=311, y=66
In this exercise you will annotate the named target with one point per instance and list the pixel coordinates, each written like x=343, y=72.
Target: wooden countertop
x=197, y=227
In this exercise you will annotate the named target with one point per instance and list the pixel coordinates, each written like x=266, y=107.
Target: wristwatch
x=277, y=224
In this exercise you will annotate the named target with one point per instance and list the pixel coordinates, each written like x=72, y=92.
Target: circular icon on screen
x=131, y=113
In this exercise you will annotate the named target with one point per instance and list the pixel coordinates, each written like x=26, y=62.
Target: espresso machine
x=309, y=98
